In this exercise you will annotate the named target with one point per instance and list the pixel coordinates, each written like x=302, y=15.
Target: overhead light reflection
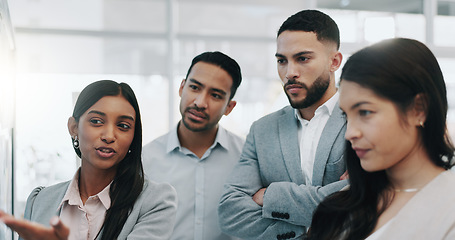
x=345, y=3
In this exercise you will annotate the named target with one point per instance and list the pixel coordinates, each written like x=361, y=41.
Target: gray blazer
x=152, y=216
x=271, y=158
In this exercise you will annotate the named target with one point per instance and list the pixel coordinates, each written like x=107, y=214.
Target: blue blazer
x=152, y=216
x=271, y=158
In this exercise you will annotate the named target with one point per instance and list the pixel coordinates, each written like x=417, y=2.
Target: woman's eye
x=365, y=112
x=96, y=121
x=124, y=126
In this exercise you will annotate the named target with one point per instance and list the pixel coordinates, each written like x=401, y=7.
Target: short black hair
x=315, y=21
x=224, y=62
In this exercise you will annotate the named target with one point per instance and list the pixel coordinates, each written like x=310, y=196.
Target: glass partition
x=150, y=43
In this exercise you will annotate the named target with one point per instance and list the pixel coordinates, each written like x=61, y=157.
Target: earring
x=129, y=151
x=421, y=124
x=76, y=142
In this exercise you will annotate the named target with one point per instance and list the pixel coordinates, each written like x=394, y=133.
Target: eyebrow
x=358, y=104
x=295, y=55
x=213, y=89
x=103, y=114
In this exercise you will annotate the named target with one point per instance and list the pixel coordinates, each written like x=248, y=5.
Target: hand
x=345, y=176
x=258, y=197
x=34, y=231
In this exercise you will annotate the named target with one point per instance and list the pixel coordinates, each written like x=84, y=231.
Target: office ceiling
x=444, y=7
x=404, y=6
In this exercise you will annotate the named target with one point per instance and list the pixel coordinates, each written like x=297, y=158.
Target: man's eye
x=217, y=96
x=302, y=59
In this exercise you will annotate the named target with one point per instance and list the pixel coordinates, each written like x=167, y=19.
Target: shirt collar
x=329, y=105
x=174, y=143
x=72, y=195
x=104, y=196
x=173, y=140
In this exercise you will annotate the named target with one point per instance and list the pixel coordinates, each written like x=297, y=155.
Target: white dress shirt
x=198, y=181
x=309, y=133
x=84, y=220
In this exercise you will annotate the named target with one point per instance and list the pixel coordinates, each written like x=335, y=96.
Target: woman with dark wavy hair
x=108, y=197
x=398, y=150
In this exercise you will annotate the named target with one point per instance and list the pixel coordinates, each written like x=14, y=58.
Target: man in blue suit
x=292, y=158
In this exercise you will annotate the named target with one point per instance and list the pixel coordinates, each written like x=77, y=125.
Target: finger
x=2, y=213
x=344, y=176
x=60, y=229
x=25, y=229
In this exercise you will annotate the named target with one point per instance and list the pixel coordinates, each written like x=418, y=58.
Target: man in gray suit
x=292, y=158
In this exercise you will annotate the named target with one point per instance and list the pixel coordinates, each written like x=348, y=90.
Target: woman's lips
x=105, y=152
x=361, y=152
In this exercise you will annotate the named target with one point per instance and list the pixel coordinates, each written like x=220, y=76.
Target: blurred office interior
x=51, y=49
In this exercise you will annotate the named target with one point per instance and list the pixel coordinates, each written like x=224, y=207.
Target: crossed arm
x=246, y=212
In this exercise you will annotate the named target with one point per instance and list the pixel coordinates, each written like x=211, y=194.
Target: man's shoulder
x=231, y=135
x=274, y=116
x=234, y=141
x=159, y=142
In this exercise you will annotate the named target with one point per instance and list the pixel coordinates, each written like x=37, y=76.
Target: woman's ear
x=72, y=126
x=420, y=110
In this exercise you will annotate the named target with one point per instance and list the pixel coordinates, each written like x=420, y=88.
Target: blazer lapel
x=288, y=136
x=331, y=131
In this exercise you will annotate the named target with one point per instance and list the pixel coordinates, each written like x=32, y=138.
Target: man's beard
x=314, y=93
x=187, y=122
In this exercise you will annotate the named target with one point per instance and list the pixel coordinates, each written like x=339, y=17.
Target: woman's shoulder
x=156, y=196
x=446, y=179
x=57, y=189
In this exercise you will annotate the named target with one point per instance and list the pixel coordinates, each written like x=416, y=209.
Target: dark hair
x=224, y=62
x=313, y=21
x=398, y=70
x=129, y=180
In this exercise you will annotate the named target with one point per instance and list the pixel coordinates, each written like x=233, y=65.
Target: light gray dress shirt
x=198, y=181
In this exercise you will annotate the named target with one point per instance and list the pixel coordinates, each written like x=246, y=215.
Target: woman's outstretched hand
x=34, y=231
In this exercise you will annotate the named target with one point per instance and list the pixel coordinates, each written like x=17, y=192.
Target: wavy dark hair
x=396, y=69
x=129, y=179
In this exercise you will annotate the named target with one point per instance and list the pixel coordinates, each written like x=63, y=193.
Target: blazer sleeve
x=296, y=202
x=239, y=215
x=29, y=205
x=30, y=202
x=153, y=216
x=288, y=205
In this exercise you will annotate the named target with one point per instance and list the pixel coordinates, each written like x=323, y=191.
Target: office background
x=51, y=49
